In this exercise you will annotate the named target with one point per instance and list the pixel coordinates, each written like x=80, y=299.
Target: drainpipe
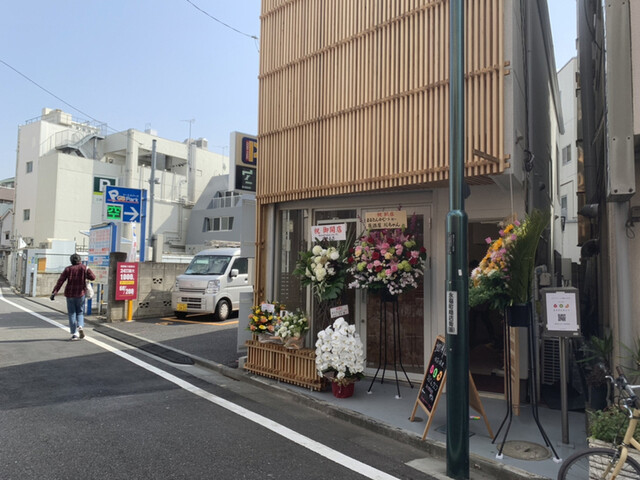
x=528, y=25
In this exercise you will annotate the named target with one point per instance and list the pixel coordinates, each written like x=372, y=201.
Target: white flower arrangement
x=339, y=351
x=323, y=269
x=292, y=325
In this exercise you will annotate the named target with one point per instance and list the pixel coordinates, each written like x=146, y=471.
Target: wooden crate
x=297, y=367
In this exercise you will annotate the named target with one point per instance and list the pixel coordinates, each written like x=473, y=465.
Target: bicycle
x=609, y=463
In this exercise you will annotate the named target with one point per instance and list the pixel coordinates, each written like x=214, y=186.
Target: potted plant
x=597, y=353
x=504, y=277
x=340, y=357
x=291, y=329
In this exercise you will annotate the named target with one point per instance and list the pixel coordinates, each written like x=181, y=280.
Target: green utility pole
x=457, y=291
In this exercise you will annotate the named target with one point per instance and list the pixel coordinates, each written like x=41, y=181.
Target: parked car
x=212, y=283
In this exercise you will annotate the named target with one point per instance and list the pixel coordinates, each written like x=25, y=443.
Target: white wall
x=566, y=242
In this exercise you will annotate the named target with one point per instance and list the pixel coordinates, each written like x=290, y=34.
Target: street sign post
x=127, y=205
x=123, y=202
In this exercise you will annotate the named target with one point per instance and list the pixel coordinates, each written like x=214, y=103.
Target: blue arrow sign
x=128, y=198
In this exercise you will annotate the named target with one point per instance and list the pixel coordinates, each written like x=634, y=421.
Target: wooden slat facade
x=354, y=98
x=354, y=95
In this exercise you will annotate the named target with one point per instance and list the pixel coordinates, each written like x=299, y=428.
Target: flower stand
x=297, y=367
x=341, y=390
x=385, y=299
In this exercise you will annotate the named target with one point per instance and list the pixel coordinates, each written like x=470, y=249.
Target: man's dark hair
x=75, y=259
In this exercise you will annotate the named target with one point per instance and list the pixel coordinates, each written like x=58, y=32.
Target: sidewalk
x=380, y=410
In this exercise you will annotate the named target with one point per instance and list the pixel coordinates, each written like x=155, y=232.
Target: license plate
x=181, y=307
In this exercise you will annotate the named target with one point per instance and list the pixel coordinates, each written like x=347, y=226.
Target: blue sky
x=148, y=64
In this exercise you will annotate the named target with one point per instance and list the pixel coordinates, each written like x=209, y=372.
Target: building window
x=224, y=200
x=6, y=235
x=26, y=214
x=29, y=167
x=566, y=155
x=217, y=224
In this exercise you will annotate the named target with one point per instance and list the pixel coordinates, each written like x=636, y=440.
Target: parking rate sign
x=127, y=281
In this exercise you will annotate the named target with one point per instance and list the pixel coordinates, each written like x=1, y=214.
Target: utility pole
x=457, y=288
x=152, y=187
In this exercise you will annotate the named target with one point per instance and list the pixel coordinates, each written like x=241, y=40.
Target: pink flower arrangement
x=386, y=259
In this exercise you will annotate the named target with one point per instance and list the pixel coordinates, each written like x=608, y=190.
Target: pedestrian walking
x=76, y=276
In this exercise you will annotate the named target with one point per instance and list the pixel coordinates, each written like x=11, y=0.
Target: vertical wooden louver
x=354, y=95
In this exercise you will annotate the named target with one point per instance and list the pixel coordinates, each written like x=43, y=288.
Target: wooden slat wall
x=354, y=95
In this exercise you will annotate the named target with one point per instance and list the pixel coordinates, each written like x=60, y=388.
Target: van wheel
x=223, y=310
x=180, y=315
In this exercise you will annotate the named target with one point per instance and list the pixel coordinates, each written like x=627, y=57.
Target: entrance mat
x=152, y=348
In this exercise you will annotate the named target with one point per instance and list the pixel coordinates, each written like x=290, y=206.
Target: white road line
x=316, y=447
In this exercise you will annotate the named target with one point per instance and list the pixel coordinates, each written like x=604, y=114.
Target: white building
x=566, y=242
x=6, y=222
x=63, y=166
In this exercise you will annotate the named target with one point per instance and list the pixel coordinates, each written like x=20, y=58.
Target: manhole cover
x=525, y=450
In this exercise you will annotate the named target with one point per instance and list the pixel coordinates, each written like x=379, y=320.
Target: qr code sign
x=562, y=317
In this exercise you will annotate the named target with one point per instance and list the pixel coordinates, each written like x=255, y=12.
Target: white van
x=212, y=283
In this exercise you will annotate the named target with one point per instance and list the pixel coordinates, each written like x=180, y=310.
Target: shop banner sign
x=335, y=232
x=385, y=219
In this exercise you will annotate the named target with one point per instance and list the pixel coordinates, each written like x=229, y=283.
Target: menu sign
x=433, y=384
x=434, y=378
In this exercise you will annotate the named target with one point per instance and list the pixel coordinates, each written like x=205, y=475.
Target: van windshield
x=208, y=265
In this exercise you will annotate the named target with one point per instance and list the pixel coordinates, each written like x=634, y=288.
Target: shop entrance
x=486, y=328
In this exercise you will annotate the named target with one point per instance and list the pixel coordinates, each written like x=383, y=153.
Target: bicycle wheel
x=597, y=463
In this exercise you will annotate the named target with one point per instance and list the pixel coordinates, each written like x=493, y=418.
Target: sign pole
x=457, y=288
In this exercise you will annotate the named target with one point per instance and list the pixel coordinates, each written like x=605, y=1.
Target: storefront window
x=293, y=225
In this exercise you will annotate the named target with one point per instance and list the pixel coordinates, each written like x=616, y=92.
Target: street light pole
x=457, y=288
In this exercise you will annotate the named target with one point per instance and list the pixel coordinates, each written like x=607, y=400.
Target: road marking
x=215, y=324
x=316, y=447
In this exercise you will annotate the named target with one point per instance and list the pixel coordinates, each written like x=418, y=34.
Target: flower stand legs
x=506, y=421
x=397, y=351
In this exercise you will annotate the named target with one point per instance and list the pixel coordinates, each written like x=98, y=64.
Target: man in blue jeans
x=76, y=276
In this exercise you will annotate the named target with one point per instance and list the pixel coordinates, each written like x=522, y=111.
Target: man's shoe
x=74, y=337
x=81, y=332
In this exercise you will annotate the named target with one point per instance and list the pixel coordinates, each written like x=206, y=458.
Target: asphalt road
x=99, y=409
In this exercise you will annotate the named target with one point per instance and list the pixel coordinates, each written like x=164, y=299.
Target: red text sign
x=127, y=281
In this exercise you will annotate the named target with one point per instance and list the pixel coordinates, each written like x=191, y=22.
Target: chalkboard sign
x=433, y=384
x=434, y=378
